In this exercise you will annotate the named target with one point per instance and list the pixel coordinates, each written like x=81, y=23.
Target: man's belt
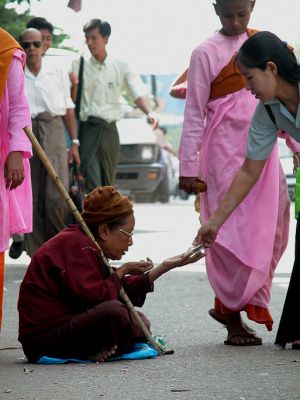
x=97, y=120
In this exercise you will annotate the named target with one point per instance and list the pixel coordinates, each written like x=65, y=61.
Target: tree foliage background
x=15, y=23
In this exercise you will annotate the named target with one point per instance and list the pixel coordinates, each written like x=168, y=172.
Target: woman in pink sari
x=241, y=263
x=15, y=149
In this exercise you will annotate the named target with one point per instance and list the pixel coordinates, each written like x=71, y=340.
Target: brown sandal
x=255, y=341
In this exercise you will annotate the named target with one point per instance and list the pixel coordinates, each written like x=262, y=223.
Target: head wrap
x=8, y=46
x=105, y=204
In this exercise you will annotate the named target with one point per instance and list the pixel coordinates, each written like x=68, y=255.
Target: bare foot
x=223, y=320
x=103, y=355
x=238, y=335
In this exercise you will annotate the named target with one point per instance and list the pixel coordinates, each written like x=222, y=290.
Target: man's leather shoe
x=16, y=249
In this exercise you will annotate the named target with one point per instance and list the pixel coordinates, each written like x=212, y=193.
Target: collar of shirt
x=49, y=91
x=285, y=111
x=45, y=69
x=97, y=63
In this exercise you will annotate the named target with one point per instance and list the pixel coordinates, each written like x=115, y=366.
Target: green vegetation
x=15, y=23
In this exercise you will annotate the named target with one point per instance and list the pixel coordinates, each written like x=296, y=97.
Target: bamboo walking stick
x=51, y=171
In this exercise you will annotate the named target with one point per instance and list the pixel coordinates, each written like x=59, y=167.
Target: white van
x=142, y=171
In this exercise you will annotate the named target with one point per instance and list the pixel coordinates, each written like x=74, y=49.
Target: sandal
x=255, y=341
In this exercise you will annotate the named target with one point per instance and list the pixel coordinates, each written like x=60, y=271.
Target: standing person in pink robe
x=241, y=263
x=15, y=149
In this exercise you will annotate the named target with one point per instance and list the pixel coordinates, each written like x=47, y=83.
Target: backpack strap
x=270, y=112
x=79, y=90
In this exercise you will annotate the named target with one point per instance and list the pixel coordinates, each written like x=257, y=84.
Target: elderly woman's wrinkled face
x=115, y=241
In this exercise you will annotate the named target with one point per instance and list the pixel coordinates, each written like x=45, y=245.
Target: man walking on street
x=51, y=107
x=98, y=92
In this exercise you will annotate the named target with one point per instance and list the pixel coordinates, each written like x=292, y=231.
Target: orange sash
x=254, y=313
x=229, y=80
x=7, y=49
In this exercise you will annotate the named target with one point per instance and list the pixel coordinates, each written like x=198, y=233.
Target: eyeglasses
x=129, y=234
x=26, y=45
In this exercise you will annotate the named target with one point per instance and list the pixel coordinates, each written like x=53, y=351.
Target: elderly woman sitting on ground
x=69, y=304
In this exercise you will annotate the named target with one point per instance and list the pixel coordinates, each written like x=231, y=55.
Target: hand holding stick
x=66, y=197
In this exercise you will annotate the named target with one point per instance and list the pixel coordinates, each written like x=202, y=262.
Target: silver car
x=286, y=159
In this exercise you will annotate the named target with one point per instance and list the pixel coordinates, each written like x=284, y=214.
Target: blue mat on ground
x=137, y=351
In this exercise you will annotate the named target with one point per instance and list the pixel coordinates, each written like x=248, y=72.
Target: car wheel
x=143, y=198
x=292, y=194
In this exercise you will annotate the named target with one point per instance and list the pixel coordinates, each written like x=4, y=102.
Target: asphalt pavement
x=202, y=367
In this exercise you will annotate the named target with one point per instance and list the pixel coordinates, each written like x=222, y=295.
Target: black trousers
x=98, y=328
x=99, y=152
x=289, y=326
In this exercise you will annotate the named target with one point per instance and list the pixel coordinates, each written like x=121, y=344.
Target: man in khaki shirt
x=103, y=81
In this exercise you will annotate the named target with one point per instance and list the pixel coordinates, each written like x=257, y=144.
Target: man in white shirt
x=51, y=107
x=46, y=29
x=103, y=81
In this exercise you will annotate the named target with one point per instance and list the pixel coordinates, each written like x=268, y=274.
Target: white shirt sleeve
x=65, y=84
x=133, y=83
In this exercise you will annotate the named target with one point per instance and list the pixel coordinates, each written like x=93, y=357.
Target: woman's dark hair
x=40, y=23
x=103, y=26
x=264, y=47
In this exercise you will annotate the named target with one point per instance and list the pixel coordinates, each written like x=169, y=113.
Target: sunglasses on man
x=35, y=43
